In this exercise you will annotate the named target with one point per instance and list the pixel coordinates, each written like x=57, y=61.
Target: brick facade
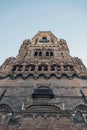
x=43, y=87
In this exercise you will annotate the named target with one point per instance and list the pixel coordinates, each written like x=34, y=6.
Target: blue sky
x=22, y=19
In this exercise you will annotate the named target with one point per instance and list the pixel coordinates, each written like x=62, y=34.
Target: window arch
x=47, y=53
x=5, y=108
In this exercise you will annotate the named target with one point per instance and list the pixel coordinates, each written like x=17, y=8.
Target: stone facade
x=43, y=87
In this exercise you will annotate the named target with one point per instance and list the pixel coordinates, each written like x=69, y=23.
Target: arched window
x=52, y=67
x=71, y=68
x=45, y=68
x=36, y=53
x=40, y=53
x=58, y=67
x=14, y=68
x=19, y=67
x=40, y=68
x=51, y=53
x=32, y=67
x=65, y=68
x=47, y=53
x=27, y=68
x=78, y=118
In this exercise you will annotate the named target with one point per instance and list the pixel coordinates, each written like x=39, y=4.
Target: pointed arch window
x=36, y=53
x=65, y=68
x=40, y=53
x=51, y=53
x=47, y=53
x=45, y=68
x=40, y=68
x=32, y=67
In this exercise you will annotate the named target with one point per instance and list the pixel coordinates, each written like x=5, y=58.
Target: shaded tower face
x=44, y=85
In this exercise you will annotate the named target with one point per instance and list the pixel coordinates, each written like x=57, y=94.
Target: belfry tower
x=43, y=87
